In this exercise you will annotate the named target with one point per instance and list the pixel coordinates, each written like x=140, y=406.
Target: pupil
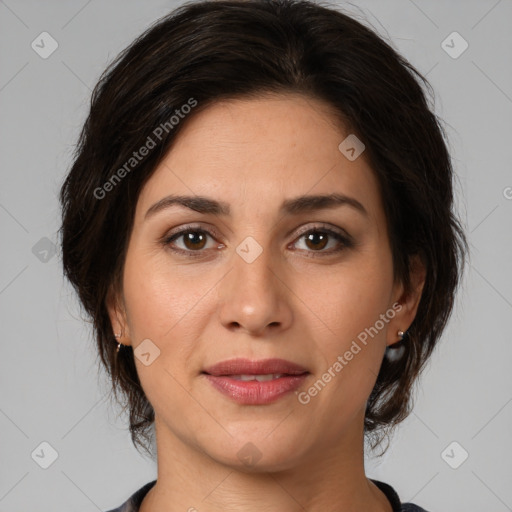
x=190, y=239
x=322, y=236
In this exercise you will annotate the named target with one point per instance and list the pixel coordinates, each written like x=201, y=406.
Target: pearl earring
x=395, y=352
x=118, y=335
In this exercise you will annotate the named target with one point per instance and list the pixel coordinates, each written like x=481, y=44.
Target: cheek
x=346, y=307
x=349, y=303
x=171, y=306
x=164, y=306
x=349, y=298
x=160, y=300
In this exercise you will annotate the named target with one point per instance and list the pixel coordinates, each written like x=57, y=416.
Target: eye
x=192, y=240
x=317, y=239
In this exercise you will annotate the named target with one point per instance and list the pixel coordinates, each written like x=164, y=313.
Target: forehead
x=258, y=151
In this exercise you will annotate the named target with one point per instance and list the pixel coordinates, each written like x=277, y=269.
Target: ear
x=117, y=313
x=407, y=302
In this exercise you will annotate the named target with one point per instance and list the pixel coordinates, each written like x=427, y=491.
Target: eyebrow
x=294, y=206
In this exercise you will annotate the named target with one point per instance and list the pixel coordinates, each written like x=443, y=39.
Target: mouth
x=248, y=368
x=255, y=382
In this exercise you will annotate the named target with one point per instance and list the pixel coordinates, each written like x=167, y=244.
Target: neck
x=327, y=480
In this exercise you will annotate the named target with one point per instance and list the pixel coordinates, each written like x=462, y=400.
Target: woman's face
x=255, y=281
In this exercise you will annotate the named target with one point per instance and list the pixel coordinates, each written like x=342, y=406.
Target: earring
x=395, y=352
x=398, y=344
x=118, y=335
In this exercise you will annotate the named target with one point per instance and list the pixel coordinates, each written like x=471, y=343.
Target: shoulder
x=132, y=504
x=394, y=499
x=411, y=507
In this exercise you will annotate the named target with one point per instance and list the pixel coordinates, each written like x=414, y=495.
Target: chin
x=259, y=454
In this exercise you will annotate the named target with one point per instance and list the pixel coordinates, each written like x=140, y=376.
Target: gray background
x=50, y=388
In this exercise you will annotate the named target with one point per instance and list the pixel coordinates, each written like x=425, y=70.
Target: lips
x=246, y=367
x=256, y=382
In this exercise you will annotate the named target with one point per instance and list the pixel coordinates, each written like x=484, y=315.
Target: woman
x=259, y=222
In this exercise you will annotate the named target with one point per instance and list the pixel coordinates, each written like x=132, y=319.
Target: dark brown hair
x=211, y=50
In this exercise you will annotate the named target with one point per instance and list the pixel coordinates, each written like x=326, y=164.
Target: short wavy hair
x=226, y=49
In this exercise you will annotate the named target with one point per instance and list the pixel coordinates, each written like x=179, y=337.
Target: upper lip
x=240, y=366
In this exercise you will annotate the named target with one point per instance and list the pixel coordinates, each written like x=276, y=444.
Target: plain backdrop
x=51, y=391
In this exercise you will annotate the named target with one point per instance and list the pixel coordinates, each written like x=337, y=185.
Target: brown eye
x=190, y=240
x=194, y=240
x=316, y=240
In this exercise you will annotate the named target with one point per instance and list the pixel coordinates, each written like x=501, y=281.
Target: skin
x=294, y=301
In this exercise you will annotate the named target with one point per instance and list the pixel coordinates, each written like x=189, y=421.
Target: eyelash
x=345, y=241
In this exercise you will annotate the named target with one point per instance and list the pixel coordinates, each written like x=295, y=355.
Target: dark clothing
x=133, y=503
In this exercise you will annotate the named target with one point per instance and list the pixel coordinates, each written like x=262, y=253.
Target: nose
x=254, y=297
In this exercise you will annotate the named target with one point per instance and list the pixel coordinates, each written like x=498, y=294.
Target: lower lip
x=253, y=392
